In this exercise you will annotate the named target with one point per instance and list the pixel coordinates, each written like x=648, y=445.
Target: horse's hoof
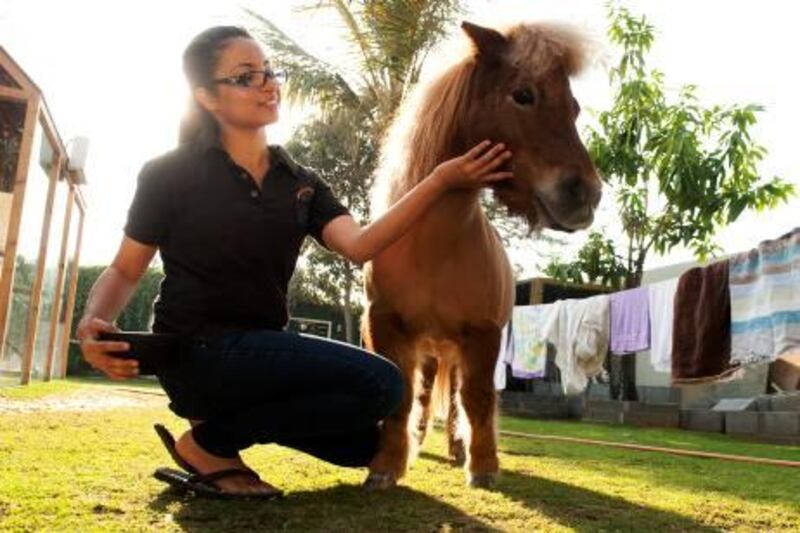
x=483, y=481
x=380, y=481
x=457, y=453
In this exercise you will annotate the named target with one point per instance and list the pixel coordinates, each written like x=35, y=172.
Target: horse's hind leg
x=428, y=375
x=389, y=340
x=479, y=398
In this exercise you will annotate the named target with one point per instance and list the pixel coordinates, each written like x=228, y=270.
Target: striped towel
x=765, y=300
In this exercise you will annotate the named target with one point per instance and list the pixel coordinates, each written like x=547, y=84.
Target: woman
x=228, y=213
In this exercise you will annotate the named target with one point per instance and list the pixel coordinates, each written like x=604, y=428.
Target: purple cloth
x=630, y=321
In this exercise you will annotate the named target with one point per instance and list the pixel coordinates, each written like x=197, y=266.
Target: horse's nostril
x=574, y=189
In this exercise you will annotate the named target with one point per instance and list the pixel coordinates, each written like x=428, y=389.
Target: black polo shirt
x=228, y=248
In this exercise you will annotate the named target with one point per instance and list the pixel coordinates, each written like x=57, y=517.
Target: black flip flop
x=203, y=484
x=169, y=444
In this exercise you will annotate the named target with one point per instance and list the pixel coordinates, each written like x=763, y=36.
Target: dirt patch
x=88, y=400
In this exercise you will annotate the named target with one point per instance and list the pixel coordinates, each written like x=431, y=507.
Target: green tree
x=136, y=316
x=347, y=157
x=597, y=262
x=680, y=171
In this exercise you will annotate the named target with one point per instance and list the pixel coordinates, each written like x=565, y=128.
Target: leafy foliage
x=680, y=171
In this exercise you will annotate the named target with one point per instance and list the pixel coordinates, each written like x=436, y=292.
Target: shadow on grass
x=582, y=509
x=340, y=508
x=763, y=483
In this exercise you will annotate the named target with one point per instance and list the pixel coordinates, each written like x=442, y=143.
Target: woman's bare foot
x=205, y=463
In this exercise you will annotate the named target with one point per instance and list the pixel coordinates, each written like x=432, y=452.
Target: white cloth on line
x=579, y=331
x=662, y=300
x=504, y=354
x=529, y=340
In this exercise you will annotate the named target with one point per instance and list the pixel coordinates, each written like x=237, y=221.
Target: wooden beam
x=57, y=301
x=73, y=289
x=22, y=79
x=10, y=93
x=15, y=219
x=51, y=131
x=36, y=291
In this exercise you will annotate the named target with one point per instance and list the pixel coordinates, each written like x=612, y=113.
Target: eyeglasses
x=255, y=78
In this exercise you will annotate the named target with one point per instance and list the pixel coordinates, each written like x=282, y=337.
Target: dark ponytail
x=199, y=61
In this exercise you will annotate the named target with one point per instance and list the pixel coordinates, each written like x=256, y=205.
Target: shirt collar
x=278, y=155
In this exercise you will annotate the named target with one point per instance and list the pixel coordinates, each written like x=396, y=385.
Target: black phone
x=152, y=350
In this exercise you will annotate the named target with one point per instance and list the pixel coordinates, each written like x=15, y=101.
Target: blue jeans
x=322, y=397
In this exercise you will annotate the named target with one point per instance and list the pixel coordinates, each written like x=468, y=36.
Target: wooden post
x=57, y=303
x=73, y=286
x=36, y=291
x=15, y=219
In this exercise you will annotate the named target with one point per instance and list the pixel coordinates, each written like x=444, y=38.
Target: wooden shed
x=42, y=211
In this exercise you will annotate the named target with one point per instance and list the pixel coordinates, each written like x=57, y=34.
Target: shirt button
x=254, y=193
x=243, y=175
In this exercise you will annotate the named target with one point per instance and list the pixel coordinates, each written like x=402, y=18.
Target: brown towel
x=701, y=336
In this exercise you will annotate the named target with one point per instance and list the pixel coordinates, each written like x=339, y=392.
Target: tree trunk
x=634, y=278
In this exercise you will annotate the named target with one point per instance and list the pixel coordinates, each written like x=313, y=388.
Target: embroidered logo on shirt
x=304, y=194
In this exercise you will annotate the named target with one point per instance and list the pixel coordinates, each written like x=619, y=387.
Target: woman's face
x=239, y=106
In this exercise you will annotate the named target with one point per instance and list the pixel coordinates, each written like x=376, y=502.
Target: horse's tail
x=444, y=388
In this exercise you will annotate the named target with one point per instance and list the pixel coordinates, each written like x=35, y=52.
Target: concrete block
x=785, y=402
x=509, y=399
x=541, y=388
x=599, y=390
x=742, y=422
x=606, y=411
x=735, y=404
x=763, y=403
x=752, y=383
x=575, y=406
x=780, y=423
x=657, y=395
x=701, y=420
x=556, y=389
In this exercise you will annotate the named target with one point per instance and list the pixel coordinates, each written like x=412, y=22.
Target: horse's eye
x=524, y=96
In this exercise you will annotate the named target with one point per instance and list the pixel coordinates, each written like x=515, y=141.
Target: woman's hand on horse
x=96, y=353
x=477, y=168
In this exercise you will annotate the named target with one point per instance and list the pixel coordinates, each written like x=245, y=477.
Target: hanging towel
x=765, y=300
x=528, y=338
x=504, y=356
x=630, y=321
x=701, y=336
x=661, y=299
x=579, y=330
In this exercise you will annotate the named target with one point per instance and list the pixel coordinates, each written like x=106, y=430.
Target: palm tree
x=389, y=41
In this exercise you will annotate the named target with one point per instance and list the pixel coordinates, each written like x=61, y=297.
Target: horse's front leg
x=391, y=460
x=479, y=399
x=428, y=376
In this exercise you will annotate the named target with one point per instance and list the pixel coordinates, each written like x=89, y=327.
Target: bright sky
x=112, y=71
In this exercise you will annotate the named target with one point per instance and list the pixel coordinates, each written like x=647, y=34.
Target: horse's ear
x=488, y=42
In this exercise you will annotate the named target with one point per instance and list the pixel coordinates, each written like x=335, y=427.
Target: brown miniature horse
x=439, y=297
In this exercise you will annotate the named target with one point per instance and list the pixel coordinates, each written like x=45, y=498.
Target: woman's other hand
x=96, y=352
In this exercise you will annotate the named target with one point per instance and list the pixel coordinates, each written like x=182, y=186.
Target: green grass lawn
x=84, y=471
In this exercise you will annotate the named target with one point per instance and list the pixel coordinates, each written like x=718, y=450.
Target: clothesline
x=705, y=325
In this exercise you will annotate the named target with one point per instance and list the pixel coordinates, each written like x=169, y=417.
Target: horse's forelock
x=542, y=47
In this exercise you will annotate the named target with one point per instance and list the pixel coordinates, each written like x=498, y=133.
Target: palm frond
x=311, y=80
